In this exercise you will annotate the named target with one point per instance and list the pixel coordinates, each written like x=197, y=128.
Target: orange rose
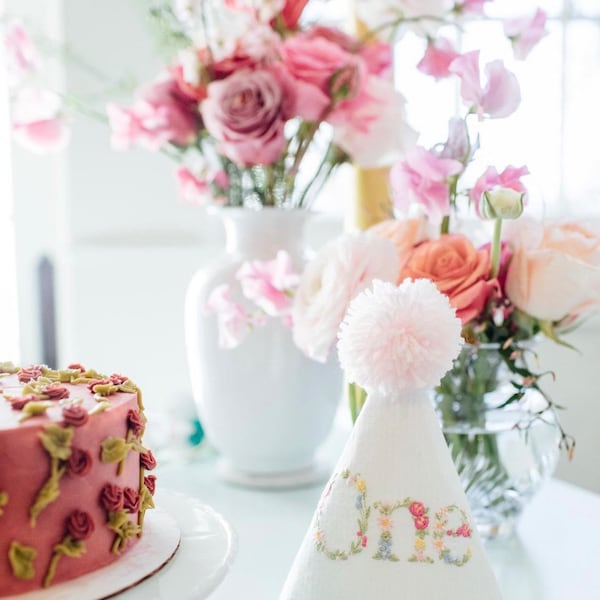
x=458, y=270
x=555, y=270
x=404, y=233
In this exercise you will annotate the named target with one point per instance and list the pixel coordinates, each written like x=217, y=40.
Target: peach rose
x=404, y=233
x=458, y=270
x=555, y=269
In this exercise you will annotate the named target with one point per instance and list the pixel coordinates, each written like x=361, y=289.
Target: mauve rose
x=32, y=372
x=75, y=415
x=457, y=269
x=76, y=367
x=96, y=382
x=111, y=497
x=421, y=522
x=135, y=421
x=79, y=525
x=246, y=114
x=79, y=463
x=147, y=460
x=150, y=483
x=555, y=269
x=131, y=500
x=55, y=391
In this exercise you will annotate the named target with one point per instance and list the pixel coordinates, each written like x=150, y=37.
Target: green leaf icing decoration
x=8, y=368
x=57, y=440
x=128, y=386
x=47, y=494
x=3, y=501
x=115, y=450
x=68, y=547
x=147, y=500
x=21, y=560
x=124, y=529
x=35, y=409
x=57, y=443
x=100, y=407
x=105, y=389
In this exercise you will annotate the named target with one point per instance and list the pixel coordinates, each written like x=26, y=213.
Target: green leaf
x=547, y=328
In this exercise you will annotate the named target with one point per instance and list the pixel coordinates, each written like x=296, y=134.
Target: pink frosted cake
x=73, y=483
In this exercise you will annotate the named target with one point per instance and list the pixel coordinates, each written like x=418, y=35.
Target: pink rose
x=55, y=391
x=111, y=497
x=79, y=525
x=501, y=95
x=458, y=270
x=437, y=59
x=423, y=177
x=421, y=522
x=150, y=483
x=30, y=373
x=404, y=233
x=135, y=422
x=117, y=379
x=246, y=114
x=555, y=269
x=77, y=367
x=161, y=114
x=19, y=402
x=341, y=269
x=416, y=509
x=526, y=33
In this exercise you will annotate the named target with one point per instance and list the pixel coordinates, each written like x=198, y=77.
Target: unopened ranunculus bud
x=501, y=203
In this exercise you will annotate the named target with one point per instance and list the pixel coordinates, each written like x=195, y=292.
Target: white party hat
x=393, y=521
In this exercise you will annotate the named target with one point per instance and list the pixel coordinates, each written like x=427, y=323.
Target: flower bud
x=501, y=203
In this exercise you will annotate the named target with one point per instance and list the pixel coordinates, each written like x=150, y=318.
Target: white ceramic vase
x=264, y=405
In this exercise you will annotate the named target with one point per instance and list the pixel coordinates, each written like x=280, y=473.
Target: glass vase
x=503, y=451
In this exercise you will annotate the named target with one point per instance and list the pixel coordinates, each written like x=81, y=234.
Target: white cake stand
x=186, y=551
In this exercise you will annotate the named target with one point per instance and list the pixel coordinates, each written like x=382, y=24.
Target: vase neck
x=260, y=234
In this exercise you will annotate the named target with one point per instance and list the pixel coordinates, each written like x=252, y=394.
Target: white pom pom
x=395, y=338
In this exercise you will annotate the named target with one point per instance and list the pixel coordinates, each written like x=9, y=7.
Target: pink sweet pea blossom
x=160, y=115
x=510, y=178
x=21, y=54
x=37, y=121
x=422, y=177
x=290, y=14
x=458, y=144
x=270, y=284
x=437, y=59
x=526, y=33
x=195, y=189
x=233, y=321
x=499, y=98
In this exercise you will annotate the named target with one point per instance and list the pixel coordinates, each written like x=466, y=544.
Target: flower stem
x=496, y=245
x=445, y=225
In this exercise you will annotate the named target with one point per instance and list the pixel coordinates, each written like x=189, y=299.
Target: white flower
x=342, y=269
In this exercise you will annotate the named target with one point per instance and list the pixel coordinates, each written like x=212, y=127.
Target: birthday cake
x=73, y=482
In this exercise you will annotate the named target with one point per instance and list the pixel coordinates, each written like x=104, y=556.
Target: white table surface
x=555, y=556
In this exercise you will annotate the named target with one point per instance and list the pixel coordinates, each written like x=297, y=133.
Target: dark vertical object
x=47, y=311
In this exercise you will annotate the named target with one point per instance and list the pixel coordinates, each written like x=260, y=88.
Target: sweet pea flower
x=200, y=190
x=339, y=271
x=491, y=180
x=21, y=54
x=458, y=144
x=501, y=95
x=37, y=121
x=234, y=323
x=555, y=269
x=159, y=115
x=437, y=59
x=422, y=177
x=270, y=284
x=291, y=11
x=526, y=33
x=246, y=114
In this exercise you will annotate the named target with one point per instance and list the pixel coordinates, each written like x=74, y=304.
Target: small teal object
x=197, y=435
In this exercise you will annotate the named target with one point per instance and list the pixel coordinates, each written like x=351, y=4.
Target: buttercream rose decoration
x=458, y=270
x=555, y=270
x=79, y=525
x=246, y=114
